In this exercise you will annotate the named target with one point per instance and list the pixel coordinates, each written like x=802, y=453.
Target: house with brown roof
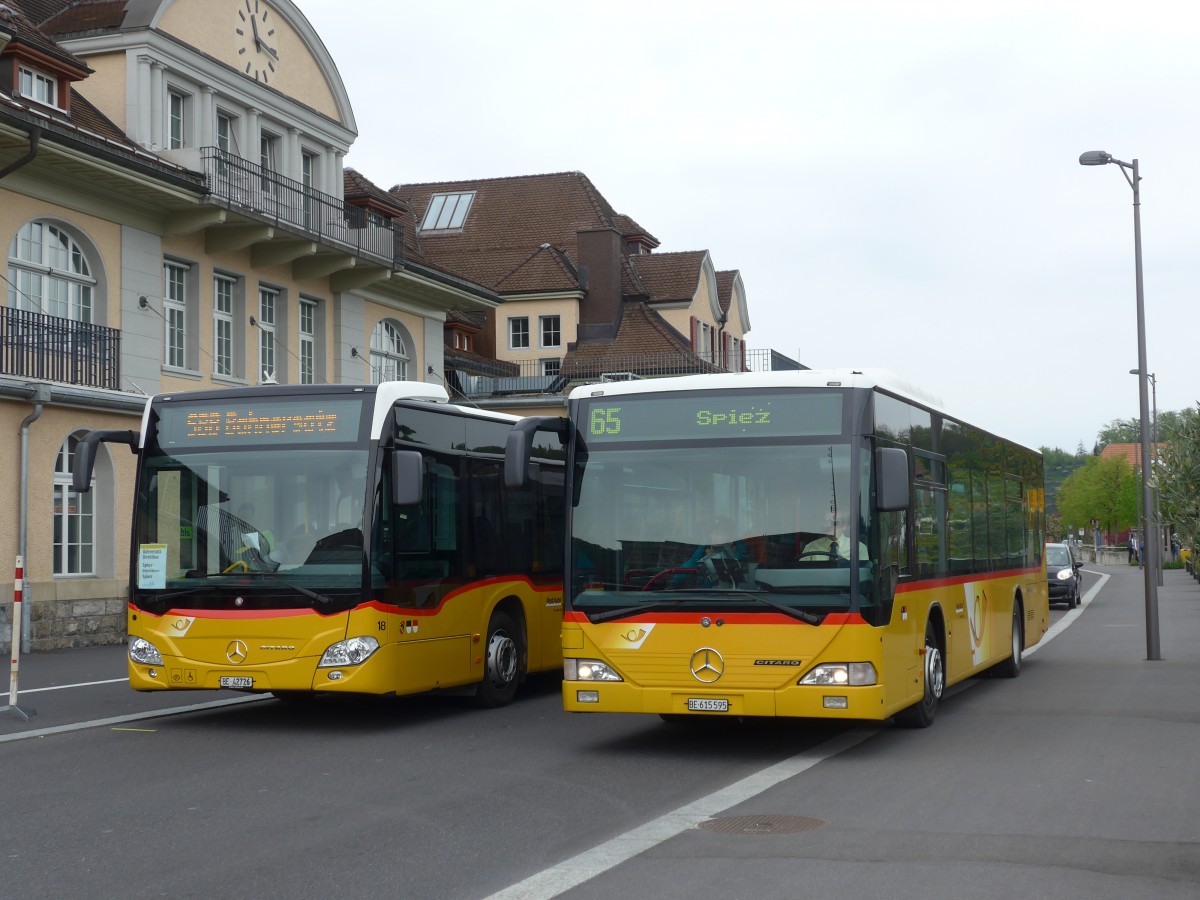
x=586, y=294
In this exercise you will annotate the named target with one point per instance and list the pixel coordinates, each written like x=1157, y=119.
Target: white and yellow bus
x=826, y=544
x=342, y=539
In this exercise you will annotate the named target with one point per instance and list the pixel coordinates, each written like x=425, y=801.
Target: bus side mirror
x=891, y=479
x=519, y=446
x=408, y=477
x=85, y=455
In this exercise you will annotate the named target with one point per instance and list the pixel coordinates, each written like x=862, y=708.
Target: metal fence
x=243, y=185
x=49, y=348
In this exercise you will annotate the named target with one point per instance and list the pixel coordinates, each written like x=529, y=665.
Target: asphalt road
x=1077, y=780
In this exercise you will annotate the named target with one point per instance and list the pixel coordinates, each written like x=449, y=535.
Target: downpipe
x=40, y=397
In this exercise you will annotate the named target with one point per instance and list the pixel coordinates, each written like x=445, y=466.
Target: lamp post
x=1159, y=536
x=1101, y=158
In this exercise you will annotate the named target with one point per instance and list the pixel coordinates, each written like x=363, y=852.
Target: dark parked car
x=1064, y=575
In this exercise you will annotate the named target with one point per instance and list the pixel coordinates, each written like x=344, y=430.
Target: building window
x=447, y=212
x=267, y=147
x=177, y=121
x=308, y=320
x=74, y=520
x=223, y=287
x=518, y=333
x=550, y=328
x=551, y=367
x=227, y=133
x=389, y=354
x=174, y=314
x=48, y=273
x=38, y=86
x=267, y=301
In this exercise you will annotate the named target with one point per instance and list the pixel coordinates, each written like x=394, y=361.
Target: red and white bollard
x=16, y=641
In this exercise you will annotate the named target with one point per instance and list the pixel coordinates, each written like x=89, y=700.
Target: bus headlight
x=589, y=670
x=857, y=673
x=350, y=652
x=144, y=652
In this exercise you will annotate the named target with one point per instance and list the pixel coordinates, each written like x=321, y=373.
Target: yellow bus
x=340, y=539
x=826, y=544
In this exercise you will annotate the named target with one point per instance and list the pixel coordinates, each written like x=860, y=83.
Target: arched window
x=49, y=273
x=74, y=519
x=389, y=353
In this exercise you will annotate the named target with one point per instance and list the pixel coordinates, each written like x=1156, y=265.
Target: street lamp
x=1101, y=158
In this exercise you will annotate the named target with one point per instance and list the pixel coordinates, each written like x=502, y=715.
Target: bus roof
x=798, y=378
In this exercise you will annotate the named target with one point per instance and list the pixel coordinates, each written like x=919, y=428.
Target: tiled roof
x=670, y=276
x=509, y=218
x=85, y=16
x=24, y=25
x=644, y=340
x=725, y=288
x=546, y=269
x=1131, y=453
x=357, y=186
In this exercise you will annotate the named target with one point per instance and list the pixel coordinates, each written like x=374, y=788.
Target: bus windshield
x=717, y=525
x=213, y=516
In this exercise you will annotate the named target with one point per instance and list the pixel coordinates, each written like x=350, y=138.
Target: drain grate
x=762, y=824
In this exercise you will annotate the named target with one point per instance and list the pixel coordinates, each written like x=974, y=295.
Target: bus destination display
x=318, y=420
x=687, y=417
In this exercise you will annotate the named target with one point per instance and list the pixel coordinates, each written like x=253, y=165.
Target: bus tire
x=504, y=650
x=921, y=713
x=1011, y=667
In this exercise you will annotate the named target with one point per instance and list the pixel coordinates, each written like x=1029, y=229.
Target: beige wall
x=566, y=310
x=209, y=25
x=105, y=88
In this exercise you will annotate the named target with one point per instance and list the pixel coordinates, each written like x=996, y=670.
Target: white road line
x=578, y=869
x=63, y=687
x=132, y=717
x=575, y=871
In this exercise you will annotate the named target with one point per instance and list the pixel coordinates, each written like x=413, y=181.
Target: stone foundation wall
x=69, y=613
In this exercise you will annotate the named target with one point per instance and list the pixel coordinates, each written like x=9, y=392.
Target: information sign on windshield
x=259, y=421
x=739, y=416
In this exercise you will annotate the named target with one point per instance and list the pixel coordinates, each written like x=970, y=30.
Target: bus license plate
x=236, y=681
x=707, y=704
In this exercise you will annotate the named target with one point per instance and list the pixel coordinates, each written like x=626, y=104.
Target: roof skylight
x=447, y=212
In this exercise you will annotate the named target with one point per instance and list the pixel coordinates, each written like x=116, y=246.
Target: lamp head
x=1094, y=158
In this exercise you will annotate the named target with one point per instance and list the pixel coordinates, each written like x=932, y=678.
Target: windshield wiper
x=801, y=614
x=656, y=606
x=312, y=595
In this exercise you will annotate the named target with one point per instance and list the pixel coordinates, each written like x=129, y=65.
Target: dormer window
x=39, y=87
x=447, y=212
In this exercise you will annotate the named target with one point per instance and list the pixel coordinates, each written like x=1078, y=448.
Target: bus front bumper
x=814, y=702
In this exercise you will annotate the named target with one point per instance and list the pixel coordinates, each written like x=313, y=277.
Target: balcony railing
x=48, y=348
x=243, y=185
x=535, y=377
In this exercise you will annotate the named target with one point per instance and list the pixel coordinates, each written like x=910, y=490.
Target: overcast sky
x=897, y=182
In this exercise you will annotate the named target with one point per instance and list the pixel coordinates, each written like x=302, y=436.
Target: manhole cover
x=762, y=824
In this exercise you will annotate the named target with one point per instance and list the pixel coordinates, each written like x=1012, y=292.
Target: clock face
x=254, y=30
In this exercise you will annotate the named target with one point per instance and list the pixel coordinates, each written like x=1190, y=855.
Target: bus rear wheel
x=502, y=664
x=921, y=713
x=1011, y=667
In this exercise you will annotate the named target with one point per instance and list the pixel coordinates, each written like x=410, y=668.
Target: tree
x=1177, y=476
x=1119, y=431
x=1103, y=489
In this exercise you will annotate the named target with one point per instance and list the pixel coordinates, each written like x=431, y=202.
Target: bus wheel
x=920, y=714
x=502, y=665
x=1011, y=667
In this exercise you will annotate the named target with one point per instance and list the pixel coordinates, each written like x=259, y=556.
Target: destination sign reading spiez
x=640, y=417
x=231, y=422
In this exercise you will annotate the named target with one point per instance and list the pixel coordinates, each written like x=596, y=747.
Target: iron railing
x=49, y=348
x=264, y=193
x=537, y=377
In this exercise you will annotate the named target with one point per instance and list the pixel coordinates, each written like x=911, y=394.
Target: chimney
x=600, y=273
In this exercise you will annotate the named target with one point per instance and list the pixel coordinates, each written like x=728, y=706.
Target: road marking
x=63, y=687
x=573, y=872
x=132, y=717
x=578, y=869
